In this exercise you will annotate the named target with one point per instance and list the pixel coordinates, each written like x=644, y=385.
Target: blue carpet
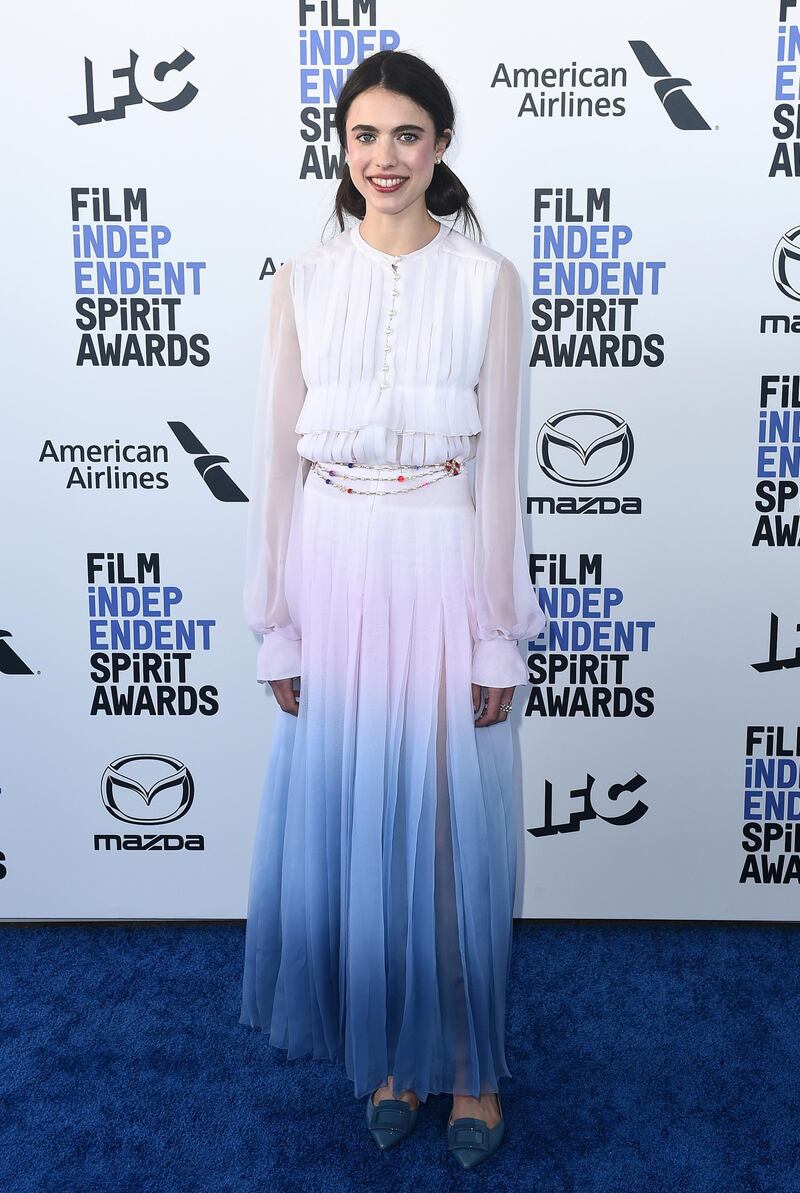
x=645, y=1057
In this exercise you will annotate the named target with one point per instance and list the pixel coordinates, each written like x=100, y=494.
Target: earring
x=436, y=161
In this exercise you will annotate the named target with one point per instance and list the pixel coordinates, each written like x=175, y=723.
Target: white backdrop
x=662, y=559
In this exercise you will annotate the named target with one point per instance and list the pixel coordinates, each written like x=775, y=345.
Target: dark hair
x=408, y=75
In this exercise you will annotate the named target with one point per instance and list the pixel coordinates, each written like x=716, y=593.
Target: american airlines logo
x=669, y=89
x=208, y=464
x=10, y=662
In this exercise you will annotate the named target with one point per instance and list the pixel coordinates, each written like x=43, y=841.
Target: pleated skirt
x=381, y=894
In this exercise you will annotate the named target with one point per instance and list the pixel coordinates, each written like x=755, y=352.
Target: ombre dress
x=384, y=860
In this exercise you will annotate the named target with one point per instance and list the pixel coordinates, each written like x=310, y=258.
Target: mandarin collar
x=378, y=255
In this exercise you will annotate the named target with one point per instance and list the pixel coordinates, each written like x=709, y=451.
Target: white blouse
x=448, y=386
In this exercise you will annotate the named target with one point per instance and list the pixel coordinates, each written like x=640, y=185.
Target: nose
x=388, y=157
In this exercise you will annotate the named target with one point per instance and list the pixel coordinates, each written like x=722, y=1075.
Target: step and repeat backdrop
x=639, y=164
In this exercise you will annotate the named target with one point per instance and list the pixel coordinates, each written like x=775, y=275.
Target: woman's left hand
x=494, y=698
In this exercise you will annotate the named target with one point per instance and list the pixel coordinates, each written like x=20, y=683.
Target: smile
x=390, y=184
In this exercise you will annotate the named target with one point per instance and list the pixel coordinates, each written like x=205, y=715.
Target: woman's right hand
x=491, y=712
x=284, y=692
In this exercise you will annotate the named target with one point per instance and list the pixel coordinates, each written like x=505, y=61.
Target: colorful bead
x=448, y=468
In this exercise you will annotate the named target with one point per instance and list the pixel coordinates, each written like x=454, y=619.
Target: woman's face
x=389, y=135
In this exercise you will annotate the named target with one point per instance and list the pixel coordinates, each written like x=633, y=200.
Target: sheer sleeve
x=277, y=476
x=505, y=600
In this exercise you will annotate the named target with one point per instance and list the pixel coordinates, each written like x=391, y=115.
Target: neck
x=394, y=234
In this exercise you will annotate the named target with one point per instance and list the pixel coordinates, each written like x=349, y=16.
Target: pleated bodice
x=392, y=370
x=381, y=359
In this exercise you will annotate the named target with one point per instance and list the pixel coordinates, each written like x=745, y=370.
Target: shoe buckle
x=391, y=1118
x=471, y=1136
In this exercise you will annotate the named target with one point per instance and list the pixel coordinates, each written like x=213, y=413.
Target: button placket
x=395, y=266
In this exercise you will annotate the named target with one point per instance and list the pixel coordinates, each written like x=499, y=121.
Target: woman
x=391, y=599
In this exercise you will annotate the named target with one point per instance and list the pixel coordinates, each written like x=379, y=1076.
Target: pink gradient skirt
x=384, y=860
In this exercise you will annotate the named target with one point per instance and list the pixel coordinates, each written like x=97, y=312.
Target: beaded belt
x=430, y=472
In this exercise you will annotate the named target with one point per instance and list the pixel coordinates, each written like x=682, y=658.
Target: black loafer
x=471, y=1141
x=390, y=1121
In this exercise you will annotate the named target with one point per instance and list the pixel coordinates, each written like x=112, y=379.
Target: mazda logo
x=570, y=450
x=130, y=784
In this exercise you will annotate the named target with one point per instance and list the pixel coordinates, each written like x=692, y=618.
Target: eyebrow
x=401, y=128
